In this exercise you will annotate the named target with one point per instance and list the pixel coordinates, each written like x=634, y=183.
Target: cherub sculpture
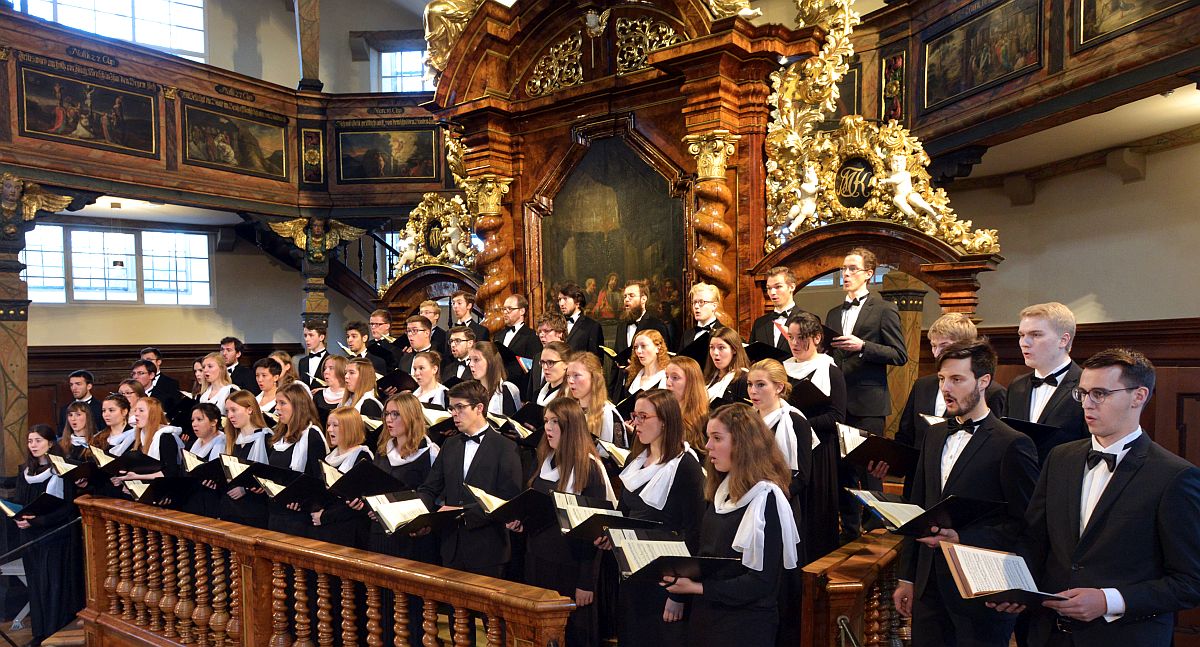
x=316, y=237
x=903, y=195
x=804, y=211
x=727, y=8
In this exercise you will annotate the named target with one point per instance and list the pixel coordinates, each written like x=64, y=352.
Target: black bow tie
x=783, y=315
x=511, y=329
x=477, y=438
x=1051, y=380
x=573, y=319
x=708, y=327
x=853, y=303
x=317, y=354
x=953, y=426
x=1094, y=457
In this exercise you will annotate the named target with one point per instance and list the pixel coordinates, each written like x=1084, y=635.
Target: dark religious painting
x=982, y=51
x=849, y=97
x=614, y=221
x=1096, y=21
x=222, y=140
x=62, y=108
x=392, y=155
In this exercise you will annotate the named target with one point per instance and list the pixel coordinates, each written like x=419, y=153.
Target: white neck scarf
x=549, y=472
x=545, y=395
x=300, y=453
x=118, y=444
x=158, y=434
x=607, y=424
x=370, y=397
x=431, y=396
x=643, y=382
x=751, y=537
x=811, y=369
x=658, y=478
x=343, y=462
x=53, y=488
x=258, y=442
x=396, y=460
x=268, y=406
x=211, y=450
x=79, y=441
x=780, y=422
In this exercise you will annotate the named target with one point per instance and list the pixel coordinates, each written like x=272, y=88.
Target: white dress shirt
x=1041, y=395
x=955, y=444
x=511, y=332
x=314, y=362
x=780, y=323
x=1095, y=480
x=850, y=315
x=470, y=447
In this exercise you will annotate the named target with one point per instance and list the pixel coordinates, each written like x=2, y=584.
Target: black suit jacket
x=380, y=363
x=439, y=339
x=166, y=390
x=647, y=322
x=243, y=377
x=302, y=369
x=477, y=542
x=1140, y=540
x=763, y=330
x=1061, y=410
x=921, y=400
x=386, y=350
x=997, y=464
x=878, y=325
x=586, y=335
x=525, y=343
x=481, y=332
x=450, y=369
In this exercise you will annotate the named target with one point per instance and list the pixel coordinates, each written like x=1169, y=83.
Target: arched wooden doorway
x=435, y=282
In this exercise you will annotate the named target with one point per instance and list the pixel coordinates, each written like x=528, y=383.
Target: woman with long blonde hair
x=747, y=517
x=361, y=395
x=330, y=396
x=488, y=368
x=686, y=382
x=247, y=436
x=217, y=383
x=299, y=446
x=156, y=438
x=585, y=383
x=338, y=523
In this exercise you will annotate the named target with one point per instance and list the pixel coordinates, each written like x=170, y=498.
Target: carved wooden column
x=904, y=291
x=714, y=198
x=14, y=348
x=308, y=42
x=484, y=196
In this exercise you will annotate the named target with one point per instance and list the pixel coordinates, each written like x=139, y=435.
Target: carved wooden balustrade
x=160, y=577
x=854, y=582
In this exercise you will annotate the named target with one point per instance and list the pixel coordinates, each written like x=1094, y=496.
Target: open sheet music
x=640, y=552
x=992, y=575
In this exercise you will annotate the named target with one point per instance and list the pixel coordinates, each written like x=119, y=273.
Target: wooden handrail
x=855, y=581
x=161, y=577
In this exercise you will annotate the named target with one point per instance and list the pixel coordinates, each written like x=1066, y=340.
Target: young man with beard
x=972, y=454
x=635, y=318
x=454, y=365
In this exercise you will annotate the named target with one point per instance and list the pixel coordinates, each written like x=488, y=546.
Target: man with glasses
x=869, y=339
x=551, y=326
x=517, y=337
x=1046, y=333
x=145, y=372
x=1113, y=522
x=771, y=328
x=706, y=301
x=419, y=332
x=382, y=343
x=455, y=366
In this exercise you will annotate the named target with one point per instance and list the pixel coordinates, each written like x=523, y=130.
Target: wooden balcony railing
x=160, y=577
x=853, y=586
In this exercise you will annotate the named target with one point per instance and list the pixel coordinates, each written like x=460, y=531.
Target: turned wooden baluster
x=430, y=625
x=400, y=618
x=279, y=619
x=203, y=610
x=873, y=628
x=138, y=592
x=349, y=621
x=234, y=629
x=220, y=599
x=112, y=566
x=374, y=628
x=186, y=605
x=303, y=621
x=493, y=632
x=153, y=580
x=170, y=583
x=462, y=623
x=324, y=613
x=125, y=580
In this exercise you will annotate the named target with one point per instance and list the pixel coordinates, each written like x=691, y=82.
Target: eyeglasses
x=642, y=417
x=852, y=270
x=548, y=363
x=415, y=331
x=1097, y=396
x=508, y=309
x=376, y=324
x=457, y=341
x=699, y=304
x=460, y=407
x=391, y=414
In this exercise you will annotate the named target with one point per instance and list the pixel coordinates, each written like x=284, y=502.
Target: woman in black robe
x=247, y=436
x=338, y=523
x=299, y=446
x=206, y=497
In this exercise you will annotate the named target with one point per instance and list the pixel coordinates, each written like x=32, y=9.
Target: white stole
x=812, y=369
x=214, y=448
x=300, y=453
x=53, y=488
x=158, y=433
x=780, y=422
x=343, y=462
x=549, y=472
x=396, y=460
x=258, y=440
x=657, y=478
x=751, y=537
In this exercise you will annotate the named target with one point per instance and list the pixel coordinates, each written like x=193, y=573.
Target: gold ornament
x=559, y=68
x=595, y=23
x=712, y=151
x=20, y=201
x=726, y=8
x=438, y=233
x=316, y=237
x=638, y=37
x=486, y=193
x=445, y=21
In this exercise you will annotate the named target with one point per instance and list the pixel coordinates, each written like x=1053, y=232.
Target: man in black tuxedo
x=242, y=376
x=461, y=303
x=706, y=302
x=1113, y=522
x=160, y=383
x=1046, y=333
x=455, y=365
x=382, y=343
x=80, y=384
x=480, y=456
x=583, y=332
x=771, y=328
x=635, y=318
x=520, y=339
x=438, y=338
x=312, y=365
x=551, y=326
x=868, y=340
x=925, y=398
x=357, y=334
x=420, y=333
x=971, y=454
x=145, y=372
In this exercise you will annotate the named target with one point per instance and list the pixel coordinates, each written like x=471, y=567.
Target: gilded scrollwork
x=638, y=37
x=561, y=67
x=438, y=233
x=21, y=200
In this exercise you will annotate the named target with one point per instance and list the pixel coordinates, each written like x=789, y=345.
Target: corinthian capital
x=485, y=192
x=712, y=151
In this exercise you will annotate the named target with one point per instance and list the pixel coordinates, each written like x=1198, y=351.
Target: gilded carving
x=445, y=21
x=494, y=261
x=170, y=92
x=316, y=237
x=561, y=67
x=5, y=52
x=438, y=232
x=20, y=201
x=487, y=191
x=726, y=8
x=595, y=23
x=638, y=37
x=712, y=151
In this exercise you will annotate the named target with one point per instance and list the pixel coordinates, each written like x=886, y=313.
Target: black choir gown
x=373, y=409
x=168, y=457
x=343, y=525
x=54, y=566
x=741, y=611
x=251, y=508
x=204, y=500
x=820, y=531
x=280, y=518
x=791, y=586
x=640, y=604
x=554, y=562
